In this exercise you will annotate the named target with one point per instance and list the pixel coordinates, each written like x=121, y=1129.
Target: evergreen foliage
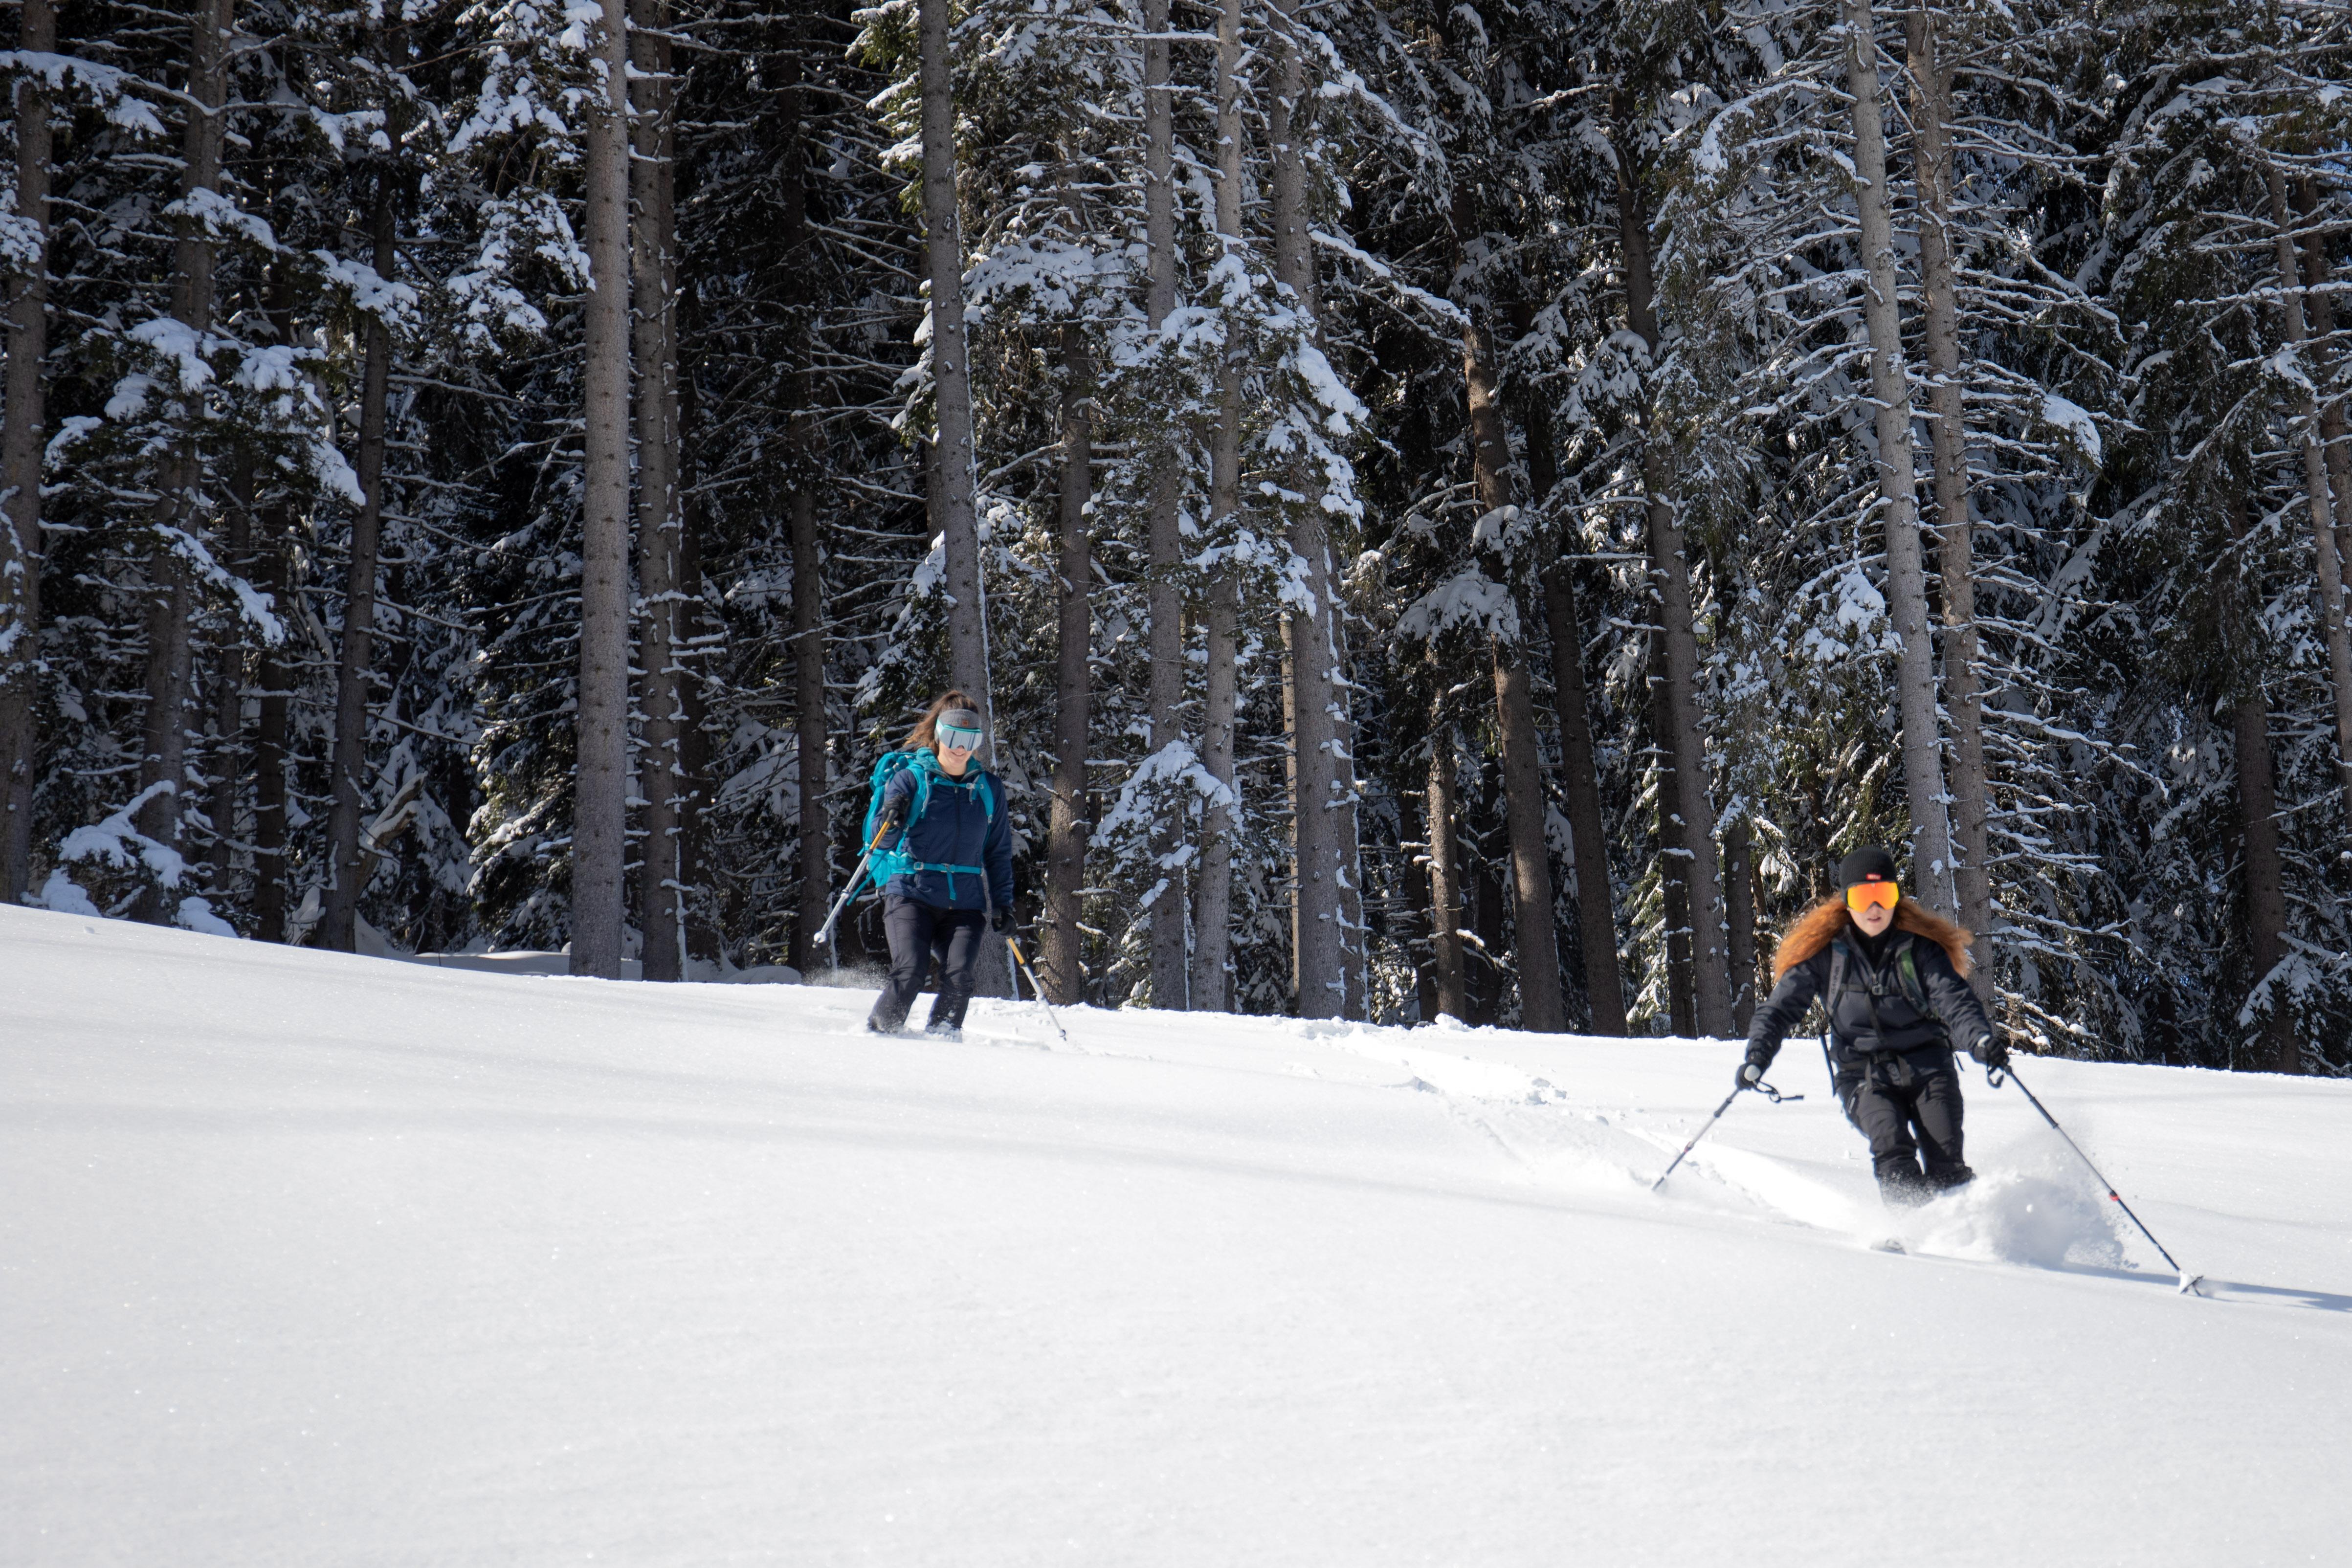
x=1623, y=241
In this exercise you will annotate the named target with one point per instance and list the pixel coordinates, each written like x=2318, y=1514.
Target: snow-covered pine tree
x=2235, y=905
x=24, y=433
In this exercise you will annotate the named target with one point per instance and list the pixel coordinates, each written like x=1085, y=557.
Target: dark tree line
x=1451, y=510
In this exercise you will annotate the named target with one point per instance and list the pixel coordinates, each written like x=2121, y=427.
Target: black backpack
x=1905, y=981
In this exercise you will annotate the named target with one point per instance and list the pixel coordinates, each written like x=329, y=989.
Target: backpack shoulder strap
x=1906, y=969
x=886, y=768
x=922, y=792
x=1841, y=954
x=877, y=784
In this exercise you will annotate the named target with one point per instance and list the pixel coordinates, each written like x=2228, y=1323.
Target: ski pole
x=1761, y=1088
x=2188, y=1282
x=1023, y=959
x=825, y=932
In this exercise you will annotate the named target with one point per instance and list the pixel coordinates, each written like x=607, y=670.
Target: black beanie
x=1870, y=865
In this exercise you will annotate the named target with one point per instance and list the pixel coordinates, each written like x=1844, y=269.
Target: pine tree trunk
x=1356, y=935
x=1963, y=691
x=2261, y=863
x=1165, y=591
x=2264, y=869
x=1890, y=391
x=661, y=771
x=2317, y=492
x=224, y=767
x=1686, y=808
x=1596, y=913
x=2321, y=313
x=950, y=367
x=1293, y=254
x=273, y=675
x=1673, y=863
x=1213, y=903
x=812, y=727
x=1063, y=944
x=1445, y=880
x=275, y=680
x=164, y=729
x=809, y=707
x=1417, y=917
x=1580, y=778
x=600, y=808
x=1484, y=980
x=24, y=434
x=1739, y=901
x=350, y=865
x=1536, y=938
x=1681, y=1011
x=697, y=632
x=1320, y=945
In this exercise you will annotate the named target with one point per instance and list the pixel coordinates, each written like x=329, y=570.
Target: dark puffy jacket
x=1873, y=1009
x=956, y=830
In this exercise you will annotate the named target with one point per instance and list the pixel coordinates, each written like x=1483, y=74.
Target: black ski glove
x=1750, y=1074
x=1990, y=1053
x=1000, y=921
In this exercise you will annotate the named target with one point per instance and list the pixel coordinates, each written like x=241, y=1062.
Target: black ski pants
x=920, y=933
x=1908, y=1105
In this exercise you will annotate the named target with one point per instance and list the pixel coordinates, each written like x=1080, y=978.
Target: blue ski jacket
x=963, y=854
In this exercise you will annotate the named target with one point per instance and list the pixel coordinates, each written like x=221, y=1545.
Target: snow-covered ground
x=308, y=1259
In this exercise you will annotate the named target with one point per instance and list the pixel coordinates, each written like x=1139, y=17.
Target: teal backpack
x=884, y=864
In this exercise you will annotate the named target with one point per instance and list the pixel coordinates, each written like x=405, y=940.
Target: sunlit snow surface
x=307, y=1259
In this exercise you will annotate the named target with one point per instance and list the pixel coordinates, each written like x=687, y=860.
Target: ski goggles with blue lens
x=959, y=729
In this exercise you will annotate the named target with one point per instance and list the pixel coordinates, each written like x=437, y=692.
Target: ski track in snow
x=2041, y=1212
x=311, y=1260
x=2036, y=1218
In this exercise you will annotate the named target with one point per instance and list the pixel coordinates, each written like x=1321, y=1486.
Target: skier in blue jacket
x=956, y=885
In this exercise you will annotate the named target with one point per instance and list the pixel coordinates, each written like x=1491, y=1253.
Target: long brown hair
x=1826, y=921
x=925, y=736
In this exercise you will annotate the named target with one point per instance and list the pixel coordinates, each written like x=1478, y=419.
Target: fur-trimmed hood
x=1826, y=921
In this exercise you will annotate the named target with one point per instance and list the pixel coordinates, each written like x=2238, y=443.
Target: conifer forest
x=1448, y=508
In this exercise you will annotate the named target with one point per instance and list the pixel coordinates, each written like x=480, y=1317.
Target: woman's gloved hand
x=1750, y=1074
x=1990, y=1052
x=1000, y=921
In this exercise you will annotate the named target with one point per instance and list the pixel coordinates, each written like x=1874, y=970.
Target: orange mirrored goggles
x=1862, y=894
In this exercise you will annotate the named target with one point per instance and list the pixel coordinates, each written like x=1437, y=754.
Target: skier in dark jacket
x=957, y=883
x=1894, y=980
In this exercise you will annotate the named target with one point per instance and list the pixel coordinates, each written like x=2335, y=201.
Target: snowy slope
x=307, y=1259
